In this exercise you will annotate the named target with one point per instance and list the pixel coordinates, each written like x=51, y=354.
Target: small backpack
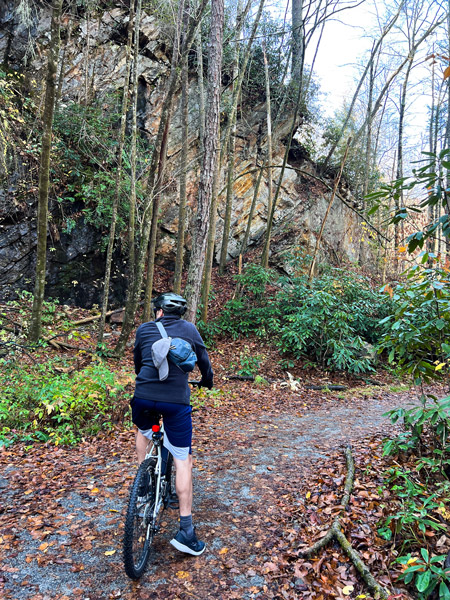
x=181, y=352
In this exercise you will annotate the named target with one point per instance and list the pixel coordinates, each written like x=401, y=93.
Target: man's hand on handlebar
x=201, y=383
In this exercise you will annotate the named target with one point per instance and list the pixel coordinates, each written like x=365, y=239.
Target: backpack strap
x=161, y=329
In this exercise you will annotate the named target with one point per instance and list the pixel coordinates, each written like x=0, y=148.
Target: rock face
x=75, y=260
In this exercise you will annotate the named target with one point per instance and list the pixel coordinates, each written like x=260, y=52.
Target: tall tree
x=118, y=175
x=210, y=157
x=223, y=153
x=269, y=145
x=177, y=59
x=231, y=146
x=133, y=151
x=298, y=41
x=44, y=172
x=184, y=106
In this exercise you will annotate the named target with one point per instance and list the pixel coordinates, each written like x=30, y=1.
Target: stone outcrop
x=77, y=257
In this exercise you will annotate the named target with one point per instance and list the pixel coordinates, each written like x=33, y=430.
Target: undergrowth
x=49, y=402
x=332, y=321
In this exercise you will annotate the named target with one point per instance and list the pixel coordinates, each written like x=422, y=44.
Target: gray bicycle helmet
x=170, y=303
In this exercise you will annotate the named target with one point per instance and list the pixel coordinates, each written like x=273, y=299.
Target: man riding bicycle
x=164, y=390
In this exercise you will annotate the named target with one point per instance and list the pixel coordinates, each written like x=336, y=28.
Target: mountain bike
x=152, y=491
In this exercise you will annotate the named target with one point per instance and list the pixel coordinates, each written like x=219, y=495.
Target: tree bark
x=211, y=145
x=133, y=143
x=298, y=42
x=184, y=106
x=265, y=263
x=44, y=173
x=231, y=147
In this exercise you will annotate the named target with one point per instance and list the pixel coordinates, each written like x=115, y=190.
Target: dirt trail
x=62, y=509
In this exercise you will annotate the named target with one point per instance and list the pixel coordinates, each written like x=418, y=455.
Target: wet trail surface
x=62, y=509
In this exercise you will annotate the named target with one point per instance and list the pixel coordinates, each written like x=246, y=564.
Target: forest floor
x=268, y=476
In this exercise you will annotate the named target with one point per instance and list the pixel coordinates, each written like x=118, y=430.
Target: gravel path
x=62, y=509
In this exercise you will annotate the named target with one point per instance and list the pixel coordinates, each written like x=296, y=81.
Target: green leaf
x=444, y=593
x=424, y=553
x=423, y=581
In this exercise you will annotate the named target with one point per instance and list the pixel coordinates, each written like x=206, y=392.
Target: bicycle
x=152, y=491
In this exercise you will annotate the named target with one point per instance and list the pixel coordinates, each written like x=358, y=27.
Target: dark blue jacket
x=175, y=388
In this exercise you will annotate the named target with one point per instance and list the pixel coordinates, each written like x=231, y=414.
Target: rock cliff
x=75, y=259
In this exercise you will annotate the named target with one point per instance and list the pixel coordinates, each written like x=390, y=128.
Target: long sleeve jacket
x=175, y=388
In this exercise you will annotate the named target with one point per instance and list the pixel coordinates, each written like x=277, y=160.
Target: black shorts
x=177, y=419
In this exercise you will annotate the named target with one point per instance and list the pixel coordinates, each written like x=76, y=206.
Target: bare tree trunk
x=232, y=116
x=270, y=217
x=44, y=173
x=133, y=143
x=133, y=294
x=63, y=62
x=115, y=206
x=265, y=264
x=251, y=213
x=368, y=162
x=161, y=172
x=399, y=201
x=211, y=145
x=231, y=147
x=183, y=176
x=297, y=41
x=207, y=271
x=201, y=93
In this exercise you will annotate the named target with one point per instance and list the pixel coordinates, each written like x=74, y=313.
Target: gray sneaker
x=188, y=545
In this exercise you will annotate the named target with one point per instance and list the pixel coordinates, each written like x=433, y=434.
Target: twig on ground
x=335, y=532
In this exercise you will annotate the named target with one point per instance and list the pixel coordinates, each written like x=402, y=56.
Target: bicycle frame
x=157, y=438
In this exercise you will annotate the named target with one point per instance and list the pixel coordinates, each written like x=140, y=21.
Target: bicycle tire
x=170, y=482
x=139, y=533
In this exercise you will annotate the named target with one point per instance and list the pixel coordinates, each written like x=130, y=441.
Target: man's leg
x=141, y=446
x=186, y=540
x=183, y=484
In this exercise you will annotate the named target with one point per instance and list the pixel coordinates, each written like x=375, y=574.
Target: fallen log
x=335, y=532
x=242, y=377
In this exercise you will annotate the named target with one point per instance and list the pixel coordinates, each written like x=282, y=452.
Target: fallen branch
x=242, y=377
x=327, y=387
x=96, y=317
x=335, y=532
x=65, y=346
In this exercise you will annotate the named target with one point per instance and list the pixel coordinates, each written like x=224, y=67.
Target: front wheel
x=139, y=528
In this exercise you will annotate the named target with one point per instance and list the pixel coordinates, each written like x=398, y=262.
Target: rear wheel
x=170, y=497
x=139, y=529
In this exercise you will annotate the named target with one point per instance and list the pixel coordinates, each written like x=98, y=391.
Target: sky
x=343, y=42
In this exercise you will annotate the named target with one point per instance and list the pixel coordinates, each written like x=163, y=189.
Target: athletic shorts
x=177, y=423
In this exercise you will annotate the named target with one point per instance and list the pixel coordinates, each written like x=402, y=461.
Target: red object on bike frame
x=155, y=428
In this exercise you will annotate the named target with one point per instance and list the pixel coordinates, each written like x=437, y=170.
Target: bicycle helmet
x=170, y=303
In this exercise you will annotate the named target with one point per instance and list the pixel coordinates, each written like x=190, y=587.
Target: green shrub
x=58, y=406
x=415, y=333
x=329, y=321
